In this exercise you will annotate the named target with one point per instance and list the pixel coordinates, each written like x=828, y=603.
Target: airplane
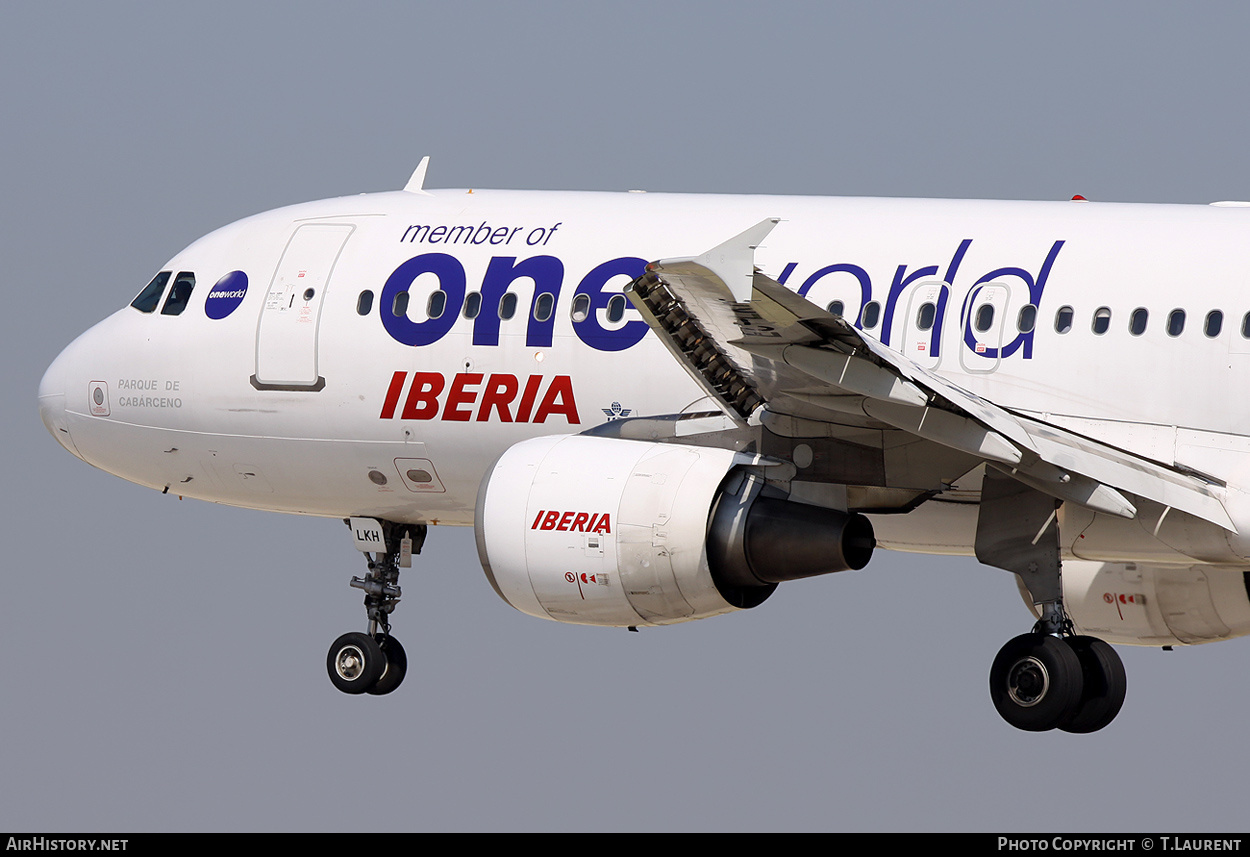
x=654, y=408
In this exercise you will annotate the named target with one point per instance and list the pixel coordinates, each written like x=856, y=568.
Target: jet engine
x=1146, y=604
x=604, y=531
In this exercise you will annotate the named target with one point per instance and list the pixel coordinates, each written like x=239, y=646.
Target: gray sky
x=163, y=661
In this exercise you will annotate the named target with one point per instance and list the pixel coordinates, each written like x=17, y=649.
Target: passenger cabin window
x=616, y=308
x=179, y=294
x=1137, y=321
x=926, y=316
x=1102, y=320
x=1214, y=323
x=1027, y=319
x=1176, y=322
x=1063, y=319
x=151, y=294
x=399, y=306
x=580, y=310
x=1245, y=326
x=472, y=304
x=543, y=306
x=364, y=303
x=507, y=305
x=872, y=314
x=436, y=304
x=985, y=317
x=836, y=307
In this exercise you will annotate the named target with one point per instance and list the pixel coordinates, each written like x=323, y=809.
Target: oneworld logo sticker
x=226, y=296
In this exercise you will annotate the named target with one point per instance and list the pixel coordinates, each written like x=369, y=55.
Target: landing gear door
x=286, y=335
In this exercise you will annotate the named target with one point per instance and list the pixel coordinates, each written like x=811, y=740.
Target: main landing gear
x=1043, y=681
x=1050, y=678
x=375, y=662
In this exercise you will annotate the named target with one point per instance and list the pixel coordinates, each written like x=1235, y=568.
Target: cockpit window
x=151, y=294
x=179, y=294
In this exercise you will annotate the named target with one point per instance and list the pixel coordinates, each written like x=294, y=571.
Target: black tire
x=355, y=663
x=1104, y=685
x=1035, y=682
x=396, y=666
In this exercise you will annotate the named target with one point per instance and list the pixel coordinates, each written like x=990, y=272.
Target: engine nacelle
x=1145, y=604
x=603, y=531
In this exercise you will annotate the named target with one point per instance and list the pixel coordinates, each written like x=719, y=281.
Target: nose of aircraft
x=52, y=391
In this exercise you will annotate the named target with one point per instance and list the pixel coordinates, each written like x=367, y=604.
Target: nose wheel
x=355, y=663
x=396, y=667
x=358, y=663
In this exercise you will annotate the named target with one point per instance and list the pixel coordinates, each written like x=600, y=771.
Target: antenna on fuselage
x=416, y=184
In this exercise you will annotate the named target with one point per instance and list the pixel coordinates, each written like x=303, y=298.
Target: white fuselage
x=274, y=394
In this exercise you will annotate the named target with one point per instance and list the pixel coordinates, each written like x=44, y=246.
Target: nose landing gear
x=375, y=662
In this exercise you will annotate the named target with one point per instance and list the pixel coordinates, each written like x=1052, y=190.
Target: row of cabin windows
x=1026, y=319
x=544, y=305
x=178, y=295
x=926, y=316
x=1138, y=319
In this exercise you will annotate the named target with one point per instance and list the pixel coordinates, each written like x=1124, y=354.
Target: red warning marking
x=585, y=578
x=1119, y=598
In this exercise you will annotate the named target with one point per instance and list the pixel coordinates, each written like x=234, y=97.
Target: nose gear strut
x=375, y=662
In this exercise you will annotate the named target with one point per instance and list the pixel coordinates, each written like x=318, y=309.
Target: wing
x=766, y=354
